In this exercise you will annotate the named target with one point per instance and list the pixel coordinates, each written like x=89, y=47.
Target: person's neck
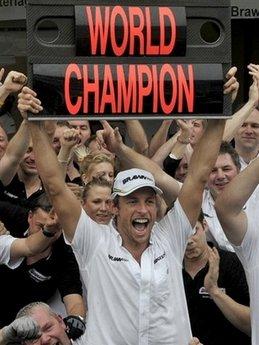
x=194, y=265
x=32, y=259
x=247, y=154
x=135, y=250
x=31, y=182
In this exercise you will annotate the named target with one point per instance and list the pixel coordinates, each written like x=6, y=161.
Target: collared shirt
x=6, y=242
x=128, y=303
x=215, y=232
x=208, y=322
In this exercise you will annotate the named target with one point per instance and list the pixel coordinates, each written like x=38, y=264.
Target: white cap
x=128, y=181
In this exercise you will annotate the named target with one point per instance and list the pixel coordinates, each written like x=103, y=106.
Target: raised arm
x=233, y=124
x=236, y=313
x=12, y=83
x=38, y=242
x=175, y=145
x=65, y=203
x=112, y=139
x=230, y=203
x=201, y=163
x=159, y=137
x=137, y=136
x=15, y=151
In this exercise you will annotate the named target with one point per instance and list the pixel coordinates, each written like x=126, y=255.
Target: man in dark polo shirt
x=38, y=277
x=216, y=291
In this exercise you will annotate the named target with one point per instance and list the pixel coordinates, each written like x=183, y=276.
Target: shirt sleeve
x=6, y=242
x=175, y=228
x=68, y=273
x=87, y=237
x=248, y=251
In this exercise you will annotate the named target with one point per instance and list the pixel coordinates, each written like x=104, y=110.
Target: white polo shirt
x=5, y=252
x=215, y=232
x=248, y=254
x=128, y=303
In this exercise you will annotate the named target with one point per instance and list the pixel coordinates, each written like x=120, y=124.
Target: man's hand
x=75, y=325
x=231, y=85
x=28, y=101
x=185, y=131
x=254, y=92
x=22, y=329
x=254, y=71
x=195, y=341
x=3, y=230
x=1, y=73
x=14, y=82
x=211, y=278
x=108, y=137
x=70, y=138
x=52, y=225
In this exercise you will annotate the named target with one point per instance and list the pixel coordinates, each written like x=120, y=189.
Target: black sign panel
x=136, y=59
x=130, y=31
x=138, y=89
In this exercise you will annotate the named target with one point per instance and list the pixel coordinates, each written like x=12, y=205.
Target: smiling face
x=28, y=164
x=247, y=137
x=97, y=204
x=52, y=329
x=136, y=214
x=222, y=173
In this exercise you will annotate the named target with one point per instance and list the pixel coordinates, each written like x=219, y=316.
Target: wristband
x=47, y=233
x=185, y=142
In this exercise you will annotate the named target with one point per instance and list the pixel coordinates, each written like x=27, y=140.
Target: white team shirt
x=5, y=252
x=215, y=231
x=128, y=303
x=248, y=253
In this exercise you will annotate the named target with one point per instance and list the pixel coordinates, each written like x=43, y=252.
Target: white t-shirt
x=5, y=252
x=128, y=303
x=248, y=254
x=215, y=232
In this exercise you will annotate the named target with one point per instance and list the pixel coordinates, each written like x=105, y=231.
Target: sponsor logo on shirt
x=37, y=276
x=116, y=258
x=159, y=258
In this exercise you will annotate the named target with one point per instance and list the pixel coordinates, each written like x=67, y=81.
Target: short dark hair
x=42, y=202
x=227, y=148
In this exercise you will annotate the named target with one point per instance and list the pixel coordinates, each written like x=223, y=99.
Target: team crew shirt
x=215, y=233
x=128, y=303
x=207, y=321
x=6, y=242
x=248, y=253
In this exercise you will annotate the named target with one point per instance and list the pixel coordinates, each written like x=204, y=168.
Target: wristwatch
x=47, y=233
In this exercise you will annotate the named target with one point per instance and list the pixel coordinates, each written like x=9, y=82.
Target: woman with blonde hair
x=99, y=165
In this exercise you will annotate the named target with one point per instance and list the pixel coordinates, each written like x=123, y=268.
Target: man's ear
x=30, y=214
x=205, y=225
x=114, y=209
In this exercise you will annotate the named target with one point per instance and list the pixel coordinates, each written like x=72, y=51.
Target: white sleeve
x=87, y=236
x=175, y=228
x=248, y=251
x=6, y=242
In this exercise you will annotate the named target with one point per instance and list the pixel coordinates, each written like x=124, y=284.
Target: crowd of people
x=147, y=240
